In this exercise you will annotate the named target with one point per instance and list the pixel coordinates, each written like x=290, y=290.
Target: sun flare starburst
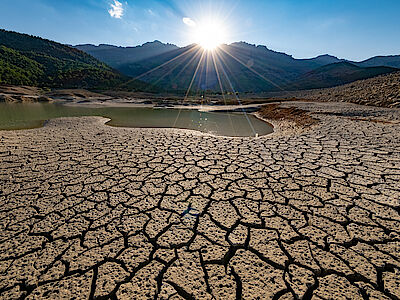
x=210, y=34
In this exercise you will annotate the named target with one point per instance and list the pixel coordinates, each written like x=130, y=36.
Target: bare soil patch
x=300, y=117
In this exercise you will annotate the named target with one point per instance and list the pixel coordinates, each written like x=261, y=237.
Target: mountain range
x=159, y=67
x=239, y=66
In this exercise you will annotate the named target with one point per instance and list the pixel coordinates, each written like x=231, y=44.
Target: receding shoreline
x=212, y=121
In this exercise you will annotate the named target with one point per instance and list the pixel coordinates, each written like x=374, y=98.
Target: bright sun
x=210, y=34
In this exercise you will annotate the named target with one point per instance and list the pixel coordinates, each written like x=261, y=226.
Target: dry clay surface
x=91, y=211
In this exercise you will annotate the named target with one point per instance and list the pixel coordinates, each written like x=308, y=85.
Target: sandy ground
x=92, y=211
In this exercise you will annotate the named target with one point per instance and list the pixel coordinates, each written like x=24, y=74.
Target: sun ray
x=208, y=68
x=285, y=80
x=194, y=76
x=166, y=63
x=190, y=86
x=222, y=90
x=254, y=71
x=177, y=65
x=228, y=69
x=162, y=65
x=195, y=56
x=238, y=100
x=201, y=74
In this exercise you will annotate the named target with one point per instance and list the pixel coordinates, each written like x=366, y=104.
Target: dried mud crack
x=94, y=212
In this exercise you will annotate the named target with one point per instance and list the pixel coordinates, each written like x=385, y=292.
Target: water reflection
x=22, y=116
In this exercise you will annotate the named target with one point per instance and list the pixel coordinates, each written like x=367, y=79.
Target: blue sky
x=352, y=29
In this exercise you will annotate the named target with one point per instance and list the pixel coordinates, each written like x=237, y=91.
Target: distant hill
x=29, y=60
x=323, y=60
x=386, y=61
x=337, y=74
x=116, y=56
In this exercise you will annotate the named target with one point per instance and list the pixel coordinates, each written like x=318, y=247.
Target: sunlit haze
x=209, y=34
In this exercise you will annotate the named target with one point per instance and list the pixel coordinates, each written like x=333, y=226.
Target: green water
x=33, y=115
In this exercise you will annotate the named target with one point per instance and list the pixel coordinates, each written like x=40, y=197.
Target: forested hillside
x=29, y=60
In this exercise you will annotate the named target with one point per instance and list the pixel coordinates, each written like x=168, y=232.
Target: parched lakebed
x=90, y=211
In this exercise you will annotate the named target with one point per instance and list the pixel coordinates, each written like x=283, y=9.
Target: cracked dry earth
x=91, y=211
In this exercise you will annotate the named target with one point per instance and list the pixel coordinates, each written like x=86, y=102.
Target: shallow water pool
x=32, y=115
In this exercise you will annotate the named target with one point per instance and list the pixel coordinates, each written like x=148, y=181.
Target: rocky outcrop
x=6, y=98
x=23, y=98
x=11, y=94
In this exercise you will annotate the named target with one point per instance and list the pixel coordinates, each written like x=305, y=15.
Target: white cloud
x=151, y=13
x=116, y=10
x=189, y=22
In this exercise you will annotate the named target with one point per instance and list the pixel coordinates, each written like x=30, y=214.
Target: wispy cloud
x=151, y=12
x=116, y=10
x=189, y=22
